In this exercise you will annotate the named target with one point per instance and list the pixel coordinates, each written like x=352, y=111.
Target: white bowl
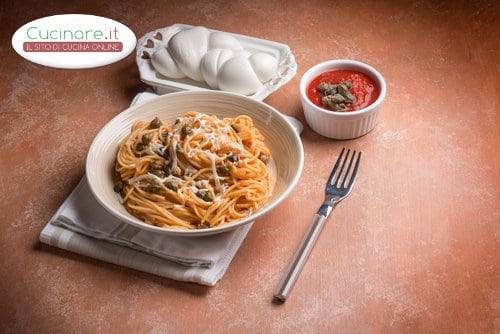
x=341, y=125
x=283, y=141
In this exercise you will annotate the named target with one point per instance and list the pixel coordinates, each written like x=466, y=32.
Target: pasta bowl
x=281, y=138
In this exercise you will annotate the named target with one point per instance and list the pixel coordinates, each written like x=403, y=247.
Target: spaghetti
x=199, y=172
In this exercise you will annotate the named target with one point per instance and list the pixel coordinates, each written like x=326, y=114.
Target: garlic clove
x=243, y=53
x=220, y=40
x=238, y=76
x=187, y=47
x=211, y=62
x=264, y=65
x=163, y=63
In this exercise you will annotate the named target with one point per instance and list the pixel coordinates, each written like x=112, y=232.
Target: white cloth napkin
x=82, y=226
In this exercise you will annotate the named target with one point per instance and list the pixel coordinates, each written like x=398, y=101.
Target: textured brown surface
x=415, y=247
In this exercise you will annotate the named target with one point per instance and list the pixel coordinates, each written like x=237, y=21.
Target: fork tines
x=345, y=175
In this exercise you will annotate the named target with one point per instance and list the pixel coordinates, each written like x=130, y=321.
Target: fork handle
x=299, y=259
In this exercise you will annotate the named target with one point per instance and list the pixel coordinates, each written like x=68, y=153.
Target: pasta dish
x=198, y=172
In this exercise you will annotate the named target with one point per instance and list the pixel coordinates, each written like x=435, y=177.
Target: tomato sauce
x=363, y=88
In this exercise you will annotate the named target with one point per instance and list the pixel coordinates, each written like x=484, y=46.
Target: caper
x=170, y=185
x=185, y=131
x=327, y=88
x=145, y=139
x=342, y=89
x=167, y=169
x=337, y=98
x=222, y=170
x=155, y=123
x=350, y=98
x=322, y=87
x=153, y=188
x=327, y=101
x=118, y=187
x=204, y=196
x=139, y=147
x=336, y=102
x=232, y=158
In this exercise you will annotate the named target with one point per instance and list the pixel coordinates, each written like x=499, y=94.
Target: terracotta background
x=414, y=248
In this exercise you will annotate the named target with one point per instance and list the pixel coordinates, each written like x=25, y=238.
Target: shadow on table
x=126, y=77
x=186, y=287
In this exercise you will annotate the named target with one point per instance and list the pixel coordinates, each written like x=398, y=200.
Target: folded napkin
x=83, y=226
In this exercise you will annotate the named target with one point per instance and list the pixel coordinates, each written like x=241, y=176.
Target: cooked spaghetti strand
x=199, y=172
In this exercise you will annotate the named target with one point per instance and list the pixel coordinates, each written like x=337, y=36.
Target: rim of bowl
x=338, y=63
x=200, y=232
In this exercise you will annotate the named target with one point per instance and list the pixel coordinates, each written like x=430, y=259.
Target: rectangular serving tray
x=151, y=42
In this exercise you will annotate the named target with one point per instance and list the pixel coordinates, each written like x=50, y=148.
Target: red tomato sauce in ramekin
x=363, y=88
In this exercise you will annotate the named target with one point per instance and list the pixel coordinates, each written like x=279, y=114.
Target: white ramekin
x=341, y=125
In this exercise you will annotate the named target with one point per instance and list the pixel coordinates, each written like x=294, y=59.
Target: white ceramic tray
x=151, y=41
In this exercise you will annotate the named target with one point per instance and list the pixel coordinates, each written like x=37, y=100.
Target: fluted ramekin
x=341, y=125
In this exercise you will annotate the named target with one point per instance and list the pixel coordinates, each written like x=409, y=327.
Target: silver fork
x=338, y=187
